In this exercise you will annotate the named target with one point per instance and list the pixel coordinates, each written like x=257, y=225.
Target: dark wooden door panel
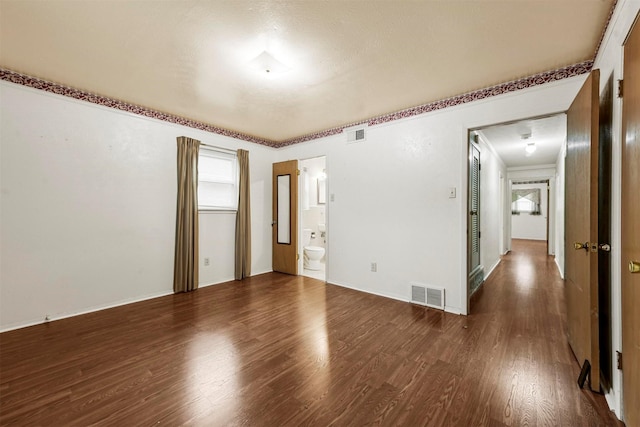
x=581, y=199
x=604, y=233
x=285, y=217
x=631, y=228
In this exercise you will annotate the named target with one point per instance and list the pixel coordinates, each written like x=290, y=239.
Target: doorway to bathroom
x=313, y=215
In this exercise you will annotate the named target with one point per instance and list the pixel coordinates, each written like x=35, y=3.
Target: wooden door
x=285, y=217
x=605, y=143
x=631, y=229
x=581, y=226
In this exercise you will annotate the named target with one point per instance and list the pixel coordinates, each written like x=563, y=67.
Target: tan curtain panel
x=243, y=220
x=185, y=270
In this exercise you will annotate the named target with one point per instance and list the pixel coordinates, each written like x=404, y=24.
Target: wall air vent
x=427, y=295
x=356, y=133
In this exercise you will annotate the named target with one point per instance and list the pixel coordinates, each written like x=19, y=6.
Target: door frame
x=326, y=219
x=501, y=218
x=551, y=208
x=506, y=222
x=472, y=141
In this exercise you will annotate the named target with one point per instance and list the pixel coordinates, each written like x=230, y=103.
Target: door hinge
x=620, y=88
x=298, y=172
x=619, y=360
x=297, y=257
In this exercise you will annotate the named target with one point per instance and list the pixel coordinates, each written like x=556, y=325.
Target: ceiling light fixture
x=530, y=148
x=266, y=63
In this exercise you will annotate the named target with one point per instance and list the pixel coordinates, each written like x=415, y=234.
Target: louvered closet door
x=474, y=208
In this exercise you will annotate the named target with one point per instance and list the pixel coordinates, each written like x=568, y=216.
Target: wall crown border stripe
x=503, y=88
x=512, y=86
x=47, y=86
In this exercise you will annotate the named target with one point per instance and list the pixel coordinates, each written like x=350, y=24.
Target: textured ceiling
x=548, y=134
x=340, y=61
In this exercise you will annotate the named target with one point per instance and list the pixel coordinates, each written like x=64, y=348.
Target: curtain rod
x=228, y=150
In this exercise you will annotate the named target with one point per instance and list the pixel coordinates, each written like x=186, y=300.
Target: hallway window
x=525, y=201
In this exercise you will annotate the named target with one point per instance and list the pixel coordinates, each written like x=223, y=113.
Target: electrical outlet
x=374, y=267
x=206, y=262
x=332, y=197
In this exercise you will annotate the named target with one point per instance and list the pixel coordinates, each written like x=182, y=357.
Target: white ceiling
x=344, y=61
x=548, y=133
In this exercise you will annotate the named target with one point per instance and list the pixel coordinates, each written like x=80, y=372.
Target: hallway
x=279, y=350
x=522, y=312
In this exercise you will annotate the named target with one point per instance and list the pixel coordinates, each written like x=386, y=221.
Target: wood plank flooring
x=278, y=350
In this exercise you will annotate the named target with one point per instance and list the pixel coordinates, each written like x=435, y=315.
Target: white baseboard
x=452, y=310
x=204, y=285
x=261, y=272
x=492, y=268
x=555, y=260
x=231, y=279
x=20, y=325
x=448, y=309
x=612, y=402
x=93, y=309
x=355, y=288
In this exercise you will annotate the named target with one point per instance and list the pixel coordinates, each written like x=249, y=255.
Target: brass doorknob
x=577, y=246
x=634, y=267
x=604, y=247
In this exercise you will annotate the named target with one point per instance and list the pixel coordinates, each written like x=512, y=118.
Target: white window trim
x=220, y=154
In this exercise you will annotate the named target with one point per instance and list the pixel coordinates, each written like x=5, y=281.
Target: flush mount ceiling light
x=530, y=148
x=267, y=64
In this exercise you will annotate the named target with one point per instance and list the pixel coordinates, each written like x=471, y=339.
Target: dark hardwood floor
x=277, y=350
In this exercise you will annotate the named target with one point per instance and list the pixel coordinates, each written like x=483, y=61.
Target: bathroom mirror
x=322, y=191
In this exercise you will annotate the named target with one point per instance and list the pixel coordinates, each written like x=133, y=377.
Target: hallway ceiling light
x=530, y=148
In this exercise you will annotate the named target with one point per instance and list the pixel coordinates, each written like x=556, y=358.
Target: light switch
x=452, y=192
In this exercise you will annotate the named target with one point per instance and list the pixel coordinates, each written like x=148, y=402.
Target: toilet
x=312, y=254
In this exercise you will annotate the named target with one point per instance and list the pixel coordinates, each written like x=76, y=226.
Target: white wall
x=491, y=207
x=531, y=227
x=609, y=61
x=391, y=194
x=92, y=225
x=88, y=207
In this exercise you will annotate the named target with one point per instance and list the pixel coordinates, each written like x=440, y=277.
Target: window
x=217, y=180
x=524, y=206
x=525, y=201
